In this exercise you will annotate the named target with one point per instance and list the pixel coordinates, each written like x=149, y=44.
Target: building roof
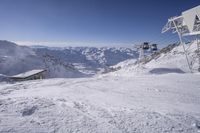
x=28, y=73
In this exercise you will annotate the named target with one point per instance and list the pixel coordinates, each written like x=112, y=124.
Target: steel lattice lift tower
x=188, y=24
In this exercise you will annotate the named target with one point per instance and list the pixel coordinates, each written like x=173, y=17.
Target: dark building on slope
x=29, y=75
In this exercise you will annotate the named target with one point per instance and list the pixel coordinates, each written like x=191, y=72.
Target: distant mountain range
x=60, y=62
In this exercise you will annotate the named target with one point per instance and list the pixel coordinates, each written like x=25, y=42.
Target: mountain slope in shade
x=89, y=60
x=16, y=59
x=60, y=62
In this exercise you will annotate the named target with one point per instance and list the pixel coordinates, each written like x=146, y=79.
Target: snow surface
x=142, y=104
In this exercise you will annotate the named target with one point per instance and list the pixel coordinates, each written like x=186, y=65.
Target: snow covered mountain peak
x=60, y=62
x=88, y=61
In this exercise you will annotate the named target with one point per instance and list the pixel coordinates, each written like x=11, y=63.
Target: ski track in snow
x=168, y=103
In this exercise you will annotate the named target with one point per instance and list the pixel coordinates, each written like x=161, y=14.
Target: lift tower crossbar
x=188, y=24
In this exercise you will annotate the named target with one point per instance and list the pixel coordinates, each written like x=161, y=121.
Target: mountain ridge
x=65, y=62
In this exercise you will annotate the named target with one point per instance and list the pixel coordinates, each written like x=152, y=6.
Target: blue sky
x=82, y=22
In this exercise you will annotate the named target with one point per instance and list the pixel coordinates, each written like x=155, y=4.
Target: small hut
x=29, y=75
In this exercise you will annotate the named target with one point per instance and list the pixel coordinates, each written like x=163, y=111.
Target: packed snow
x=147, y=103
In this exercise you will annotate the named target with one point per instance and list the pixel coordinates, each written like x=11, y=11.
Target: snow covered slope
x=170, y=59
x=141, y=104
x=177, y=59
x=88, y=60
x=158, y=96
x=16, y=59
